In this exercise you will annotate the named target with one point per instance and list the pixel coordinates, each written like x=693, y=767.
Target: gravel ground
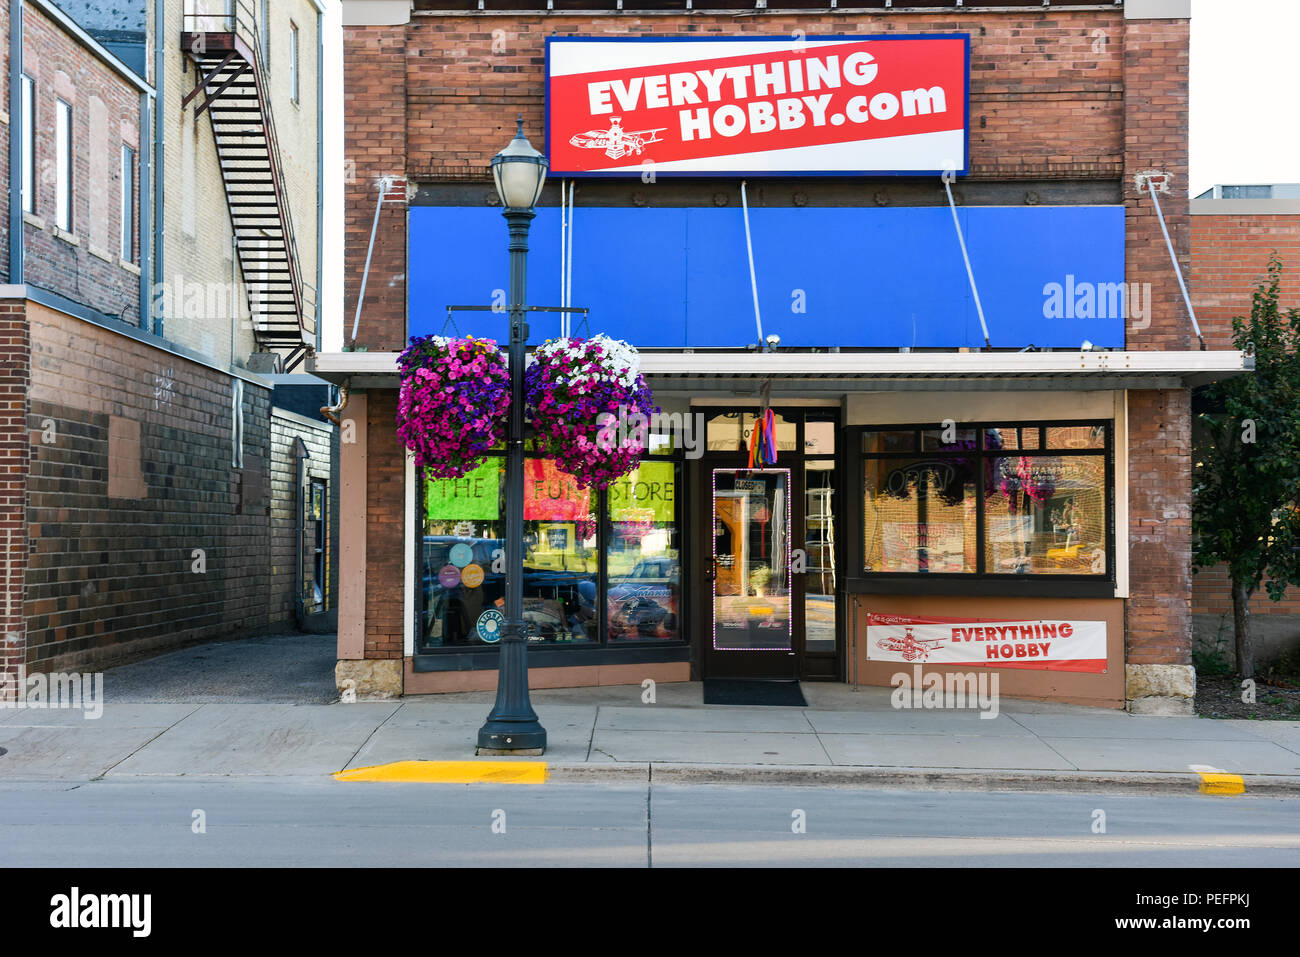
x=1219, y=696
x=290, y=668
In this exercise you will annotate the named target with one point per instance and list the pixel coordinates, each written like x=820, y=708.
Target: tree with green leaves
x=1246, y=479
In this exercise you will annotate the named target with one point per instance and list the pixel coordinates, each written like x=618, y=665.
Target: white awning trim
x=886, y=365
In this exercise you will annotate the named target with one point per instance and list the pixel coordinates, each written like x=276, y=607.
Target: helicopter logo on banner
x=910, y=647
x=616, y=141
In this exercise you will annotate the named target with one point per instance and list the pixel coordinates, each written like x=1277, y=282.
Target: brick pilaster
x=375, y=147
x=15, y=456
x=1159, y=422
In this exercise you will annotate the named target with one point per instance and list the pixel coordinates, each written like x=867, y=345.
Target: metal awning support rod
x=1169, y=243
x=970, y=273
x=385, y=184
x=753, y=280
x=564, y=239
x=568, y=269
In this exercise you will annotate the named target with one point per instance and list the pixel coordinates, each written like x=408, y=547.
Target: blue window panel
x=878, y=277
x=1016, y=251
x=869, y=277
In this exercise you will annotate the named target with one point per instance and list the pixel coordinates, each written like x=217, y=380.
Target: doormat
x=786, y=694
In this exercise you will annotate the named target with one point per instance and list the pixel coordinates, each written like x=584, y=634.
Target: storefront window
x=643, y=556
x=463, y=557
x=1047, y=516
x=464, y=527
x=730, y=431
x=987, y=500
x=920, y=515
x=561, y=560
x=786, y=431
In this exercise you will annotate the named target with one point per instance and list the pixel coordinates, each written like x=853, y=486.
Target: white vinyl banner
x=1061, y=644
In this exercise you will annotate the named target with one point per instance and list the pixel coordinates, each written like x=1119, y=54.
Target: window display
x=643, y=556
x=993, y=500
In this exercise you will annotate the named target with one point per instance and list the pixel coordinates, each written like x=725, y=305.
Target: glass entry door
x=752, y=623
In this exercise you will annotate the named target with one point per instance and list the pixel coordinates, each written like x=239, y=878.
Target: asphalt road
x=282, y=822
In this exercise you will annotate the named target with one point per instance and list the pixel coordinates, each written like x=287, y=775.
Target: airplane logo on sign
x=910, y=647
x=616, y=141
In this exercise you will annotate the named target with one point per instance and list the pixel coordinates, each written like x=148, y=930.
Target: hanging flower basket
x=451, y=405
x=589, y=407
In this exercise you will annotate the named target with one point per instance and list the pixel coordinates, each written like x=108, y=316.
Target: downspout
x=332, y=412
x=159, y=156
x=320, y=168
x=143, y=212
x=17, y=238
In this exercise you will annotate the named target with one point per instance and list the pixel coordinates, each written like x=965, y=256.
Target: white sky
x=1245, y=74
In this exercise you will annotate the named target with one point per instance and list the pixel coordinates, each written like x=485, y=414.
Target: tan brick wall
x=112, y=578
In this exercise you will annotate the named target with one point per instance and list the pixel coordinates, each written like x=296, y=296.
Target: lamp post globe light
x=519, y=172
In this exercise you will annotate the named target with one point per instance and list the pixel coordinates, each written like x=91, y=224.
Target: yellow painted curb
x=451, y=772
x=1221, y=783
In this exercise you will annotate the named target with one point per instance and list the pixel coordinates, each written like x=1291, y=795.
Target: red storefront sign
x=1043, y=644
x=702, y=107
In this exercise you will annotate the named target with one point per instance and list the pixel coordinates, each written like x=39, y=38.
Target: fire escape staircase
x=232, y=88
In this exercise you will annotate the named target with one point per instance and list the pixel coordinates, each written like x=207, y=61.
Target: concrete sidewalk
x=843, y=737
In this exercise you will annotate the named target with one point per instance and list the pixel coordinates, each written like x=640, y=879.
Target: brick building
x=1235, y=230
x=889, y=402
x=155, y=455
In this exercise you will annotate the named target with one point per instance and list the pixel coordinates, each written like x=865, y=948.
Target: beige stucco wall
x=211, y=313
x=296, y=124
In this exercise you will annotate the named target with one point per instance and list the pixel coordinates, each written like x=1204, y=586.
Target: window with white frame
x=63, y=166
x=29, y=144
x=266, y=34
x=293, y=62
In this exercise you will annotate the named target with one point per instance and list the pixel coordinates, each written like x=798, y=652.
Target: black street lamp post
x=519, y=172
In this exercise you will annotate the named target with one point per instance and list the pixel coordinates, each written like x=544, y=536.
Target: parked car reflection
x=558, y=605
